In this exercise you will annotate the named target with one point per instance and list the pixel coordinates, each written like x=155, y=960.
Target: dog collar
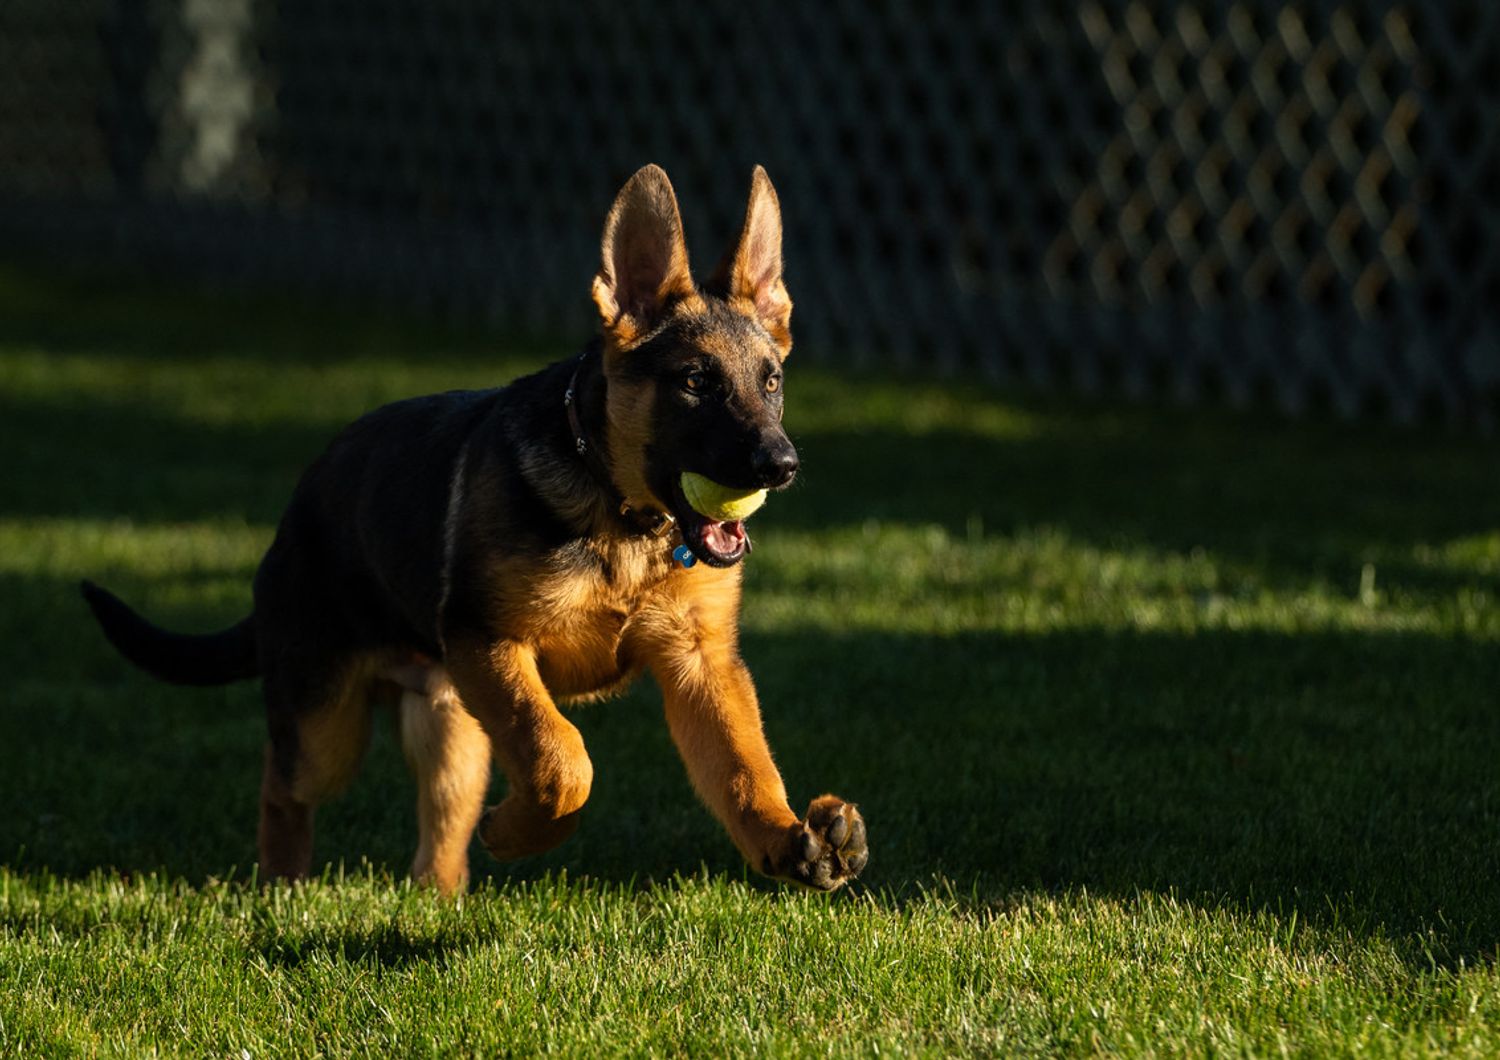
x=644, y=520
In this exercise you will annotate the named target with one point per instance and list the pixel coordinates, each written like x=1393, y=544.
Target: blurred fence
x=1255, y=202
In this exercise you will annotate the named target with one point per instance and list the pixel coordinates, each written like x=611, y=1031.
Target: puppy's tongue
x=724, y=539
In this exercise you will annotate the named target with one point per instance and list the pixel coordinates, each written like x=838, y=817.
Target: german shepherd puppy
x=481, y=557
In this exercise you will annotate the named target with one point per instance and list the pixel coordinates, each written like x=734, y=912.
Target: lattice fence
x=1293, y=204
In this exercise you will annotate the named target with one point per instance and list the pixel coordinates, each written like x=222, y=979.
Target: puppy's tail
x=181, y=658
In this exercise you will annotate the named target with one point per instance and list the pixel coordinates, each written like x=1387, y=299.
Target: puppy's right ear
x=644, y=267
x=750, y=276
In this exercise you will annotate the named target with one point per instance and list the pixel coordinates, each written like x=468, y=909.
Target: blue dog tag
x=684, y=555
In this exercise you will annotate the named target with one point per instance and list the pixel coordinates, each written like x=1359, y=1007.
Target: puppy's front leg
x=541, y=752
x=715, y=721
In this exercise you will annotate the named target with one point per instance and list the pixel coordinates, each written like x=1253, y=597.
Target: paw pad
x=829, y=848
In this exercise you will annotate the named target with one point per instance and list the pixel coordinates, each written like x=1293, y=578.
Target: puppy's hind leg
x=449, y=754
x=284, y=836
x=319, y=719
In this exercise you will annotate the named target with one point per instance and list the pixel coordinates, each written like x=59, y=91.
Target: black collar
x=644, y=520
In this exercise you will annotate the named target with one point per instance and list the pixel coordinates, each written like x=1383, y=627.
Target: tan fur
x=449, y=755
x=644, y=261
x=579, y=634
x=540, y=751
x=754, y=285
x=330, y=742
x=687, y=636
x=629, y=411
x=333, y=737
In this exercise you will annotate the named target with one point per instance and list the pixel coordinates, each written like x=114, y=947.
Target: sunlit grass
x=897, y=577
x=360, y=963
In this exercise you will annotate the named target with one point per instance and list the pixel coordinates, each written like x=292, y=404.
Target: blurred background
x=1290, y=206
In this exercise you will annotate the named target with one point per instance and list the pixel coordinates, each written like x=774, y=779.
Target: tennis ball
x=720, y=502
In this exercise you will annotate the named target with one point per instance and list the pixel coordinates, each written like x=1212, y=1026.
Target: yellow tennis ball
x=720, y=502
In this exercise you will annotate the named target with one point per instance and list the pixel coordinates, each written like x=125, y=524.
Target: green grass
x=1176, y=732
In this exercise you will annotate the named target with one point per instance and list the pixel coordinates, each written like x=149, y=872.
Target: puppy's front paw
x=518, y=829
x=826, y=850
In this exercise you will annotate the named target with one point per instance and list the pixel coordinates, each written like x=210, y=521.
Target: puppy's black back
x=365, y=526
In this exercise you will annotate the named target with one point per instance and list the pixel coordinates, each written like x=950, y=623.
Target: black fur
x=179, y=658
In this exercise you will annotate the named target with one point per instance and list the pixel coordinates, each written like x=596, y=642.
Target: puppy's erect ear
x=750, y=276
x=644, y=267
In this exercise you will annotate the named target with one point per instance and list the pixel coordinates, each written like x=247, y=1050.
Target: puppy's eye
x=694, y=382
x=773, y=384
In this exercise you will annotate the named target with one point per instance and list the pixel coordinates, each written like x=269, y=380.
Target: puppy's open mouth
x=719, y=543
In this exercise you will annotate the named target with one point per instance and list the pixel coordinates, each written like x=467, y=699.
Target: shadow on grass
x=136, y=315
x=386, y=945
x=93, y=461
x=1343, y=776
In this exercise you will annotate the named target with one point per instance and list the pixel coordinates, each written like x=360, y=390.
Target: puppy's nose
x=774, y=463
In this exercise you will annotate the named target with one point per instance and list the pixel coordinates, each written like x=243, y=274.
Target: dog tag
x=684, y=555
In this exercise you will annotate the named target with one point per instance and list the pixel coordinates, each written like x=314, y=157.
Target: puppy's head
x=694, y=374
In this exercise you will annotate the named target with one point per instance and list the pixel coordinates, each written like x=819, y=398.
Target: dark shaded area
x=105, y=461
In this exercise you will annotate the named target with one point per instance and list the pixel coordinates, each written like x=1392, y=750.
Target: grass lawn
x=1175, y=732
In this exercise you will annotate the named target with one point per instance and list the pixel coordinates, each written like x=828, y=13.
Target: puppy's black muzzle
x=774, y=462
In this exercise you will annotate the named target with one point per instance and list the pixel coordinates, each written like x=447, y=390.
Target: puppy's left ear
x=749, y=277
x=643, y=268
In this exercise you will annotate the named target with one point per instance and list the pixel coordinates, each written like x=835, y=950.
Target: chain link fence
x=1284, y=204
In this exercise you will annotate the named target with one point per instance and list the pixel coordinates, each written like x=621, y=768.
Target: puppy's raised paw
x=827, y=849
